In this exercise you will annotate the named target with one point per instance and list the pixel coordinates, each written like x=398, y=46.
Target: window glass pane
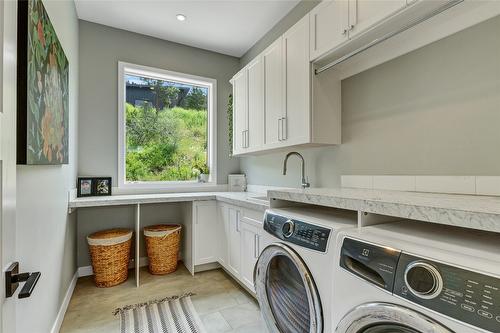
x=388, y=328
x=287, y=296
x=166, y=130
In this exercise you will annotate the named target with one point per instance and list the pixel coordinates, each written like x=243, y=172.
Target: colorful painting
x=43, y=94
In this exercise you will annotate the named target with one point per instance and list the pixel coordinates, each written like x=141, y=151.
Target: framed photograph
x=85, y=187
x=102, y=186
x=42, y=89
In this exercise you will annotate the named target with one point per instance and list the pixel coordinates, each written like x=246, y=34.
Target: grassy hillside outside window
x=166, y=125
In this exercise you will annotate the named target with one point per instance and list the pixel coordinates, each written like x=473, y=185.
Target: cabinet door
x=364, y=14
x=250, y=251
x=234, y=255
x=328, y=26
x=255, y=134
x=240, y=111
x=223, y=233
x=273, y=92
x=296, y=125
x=205, y=232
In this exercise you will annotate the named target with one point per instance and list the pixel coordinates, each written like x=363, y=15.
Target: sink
x=259, y=199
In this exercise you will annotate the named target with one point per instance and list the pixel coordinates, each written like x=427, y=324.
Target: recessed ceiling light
x=181, y=17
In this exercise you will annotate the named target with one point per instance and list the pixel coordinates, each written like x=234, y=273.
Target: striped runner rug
x=168, y=315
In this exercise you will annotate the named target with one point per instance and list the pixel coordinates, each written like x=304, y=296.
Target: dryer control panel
x=462, y=294
x=297, y=232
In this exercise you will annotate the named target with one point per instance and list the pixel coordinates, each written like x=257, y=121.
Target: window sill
x=146, y=188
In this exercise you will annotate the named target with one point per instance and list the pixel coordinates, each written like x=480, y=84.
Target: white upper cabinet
x=328, y=26
x=240, y=112
x=255, y=130
x=273, y=92
x=295, y=126
x=363, y=14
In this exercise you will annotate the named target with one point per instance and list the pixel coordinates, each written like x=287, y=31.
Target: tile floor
x=222, y=304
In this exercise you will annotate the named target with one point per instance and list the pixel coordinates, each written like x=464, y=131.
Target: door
x=328, y=26
x=255, y=133
x=364, y=14
x=273, y=92
x=7, y=155
x=250, y=250
x=223, y=233
x=296, y=122
x=205, y=232
x=281, y=276
x=234, y=240
x=240, y=115
x=385, y=318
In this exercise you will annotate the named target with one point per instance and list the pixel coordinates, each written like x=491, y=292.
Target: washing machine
x=416, y=277
x=293, y=275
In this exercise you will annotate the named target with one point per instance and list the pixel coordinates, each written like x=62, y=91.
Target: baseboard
x=64, y=306
x=87, y=270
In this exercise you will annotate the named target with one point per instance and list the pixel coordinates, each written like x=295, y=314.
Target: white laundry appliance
x=416, y=277
x=293, y=275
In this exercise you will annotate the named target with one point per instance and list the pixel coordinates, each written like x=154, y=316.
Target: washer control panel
x=297, y=232
x=465, y=295
x=373, y=263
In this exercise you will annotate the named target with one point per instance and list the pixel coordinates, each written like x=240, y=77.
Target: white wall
x=45, y=232
x=433, y=111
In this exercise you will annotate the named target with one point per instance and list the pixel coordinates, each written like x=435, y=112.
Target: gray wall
x=101, y=48
x=45, y=232
x=97, y=218
x=434, y=111
x=302, y=8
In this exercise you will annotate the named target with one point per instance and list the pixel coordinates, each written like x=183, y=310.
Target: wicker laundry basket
x=162, y=245
x=110, y=254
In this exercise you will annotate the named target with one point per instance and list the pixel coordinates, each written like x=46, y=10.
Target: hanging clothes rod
x=385, y=37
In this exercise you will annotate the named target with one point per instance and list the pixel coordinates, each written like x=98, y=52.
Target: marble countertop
x=469, y=211
x=244, y=199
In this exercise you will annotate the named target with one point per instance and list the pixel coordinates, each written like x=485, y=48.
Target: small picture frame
x=85, y=187
x=102, y=186
x=93, y=186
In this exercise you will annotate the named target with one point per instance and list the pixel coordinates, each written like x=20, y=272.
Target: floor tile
x=221, y=302
x=215, y=323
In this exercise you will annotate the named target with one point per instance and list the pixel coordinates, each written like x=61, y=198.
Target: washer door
x=387, y=318
x=286, y=292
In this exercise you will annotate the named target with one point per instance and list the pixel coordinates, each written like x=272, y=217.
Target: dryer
x=416, y=277
x=293, y=275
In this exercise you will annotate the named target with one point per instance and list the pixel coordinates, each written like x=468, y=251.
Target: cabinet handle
x=284, y=133
x=344, y=32
x=279, y=129
x=351, y=27
x=256, y=246
x=247, y=139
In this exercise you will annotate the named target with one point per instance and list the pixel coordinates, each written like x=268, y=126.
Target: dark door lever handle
x=13, y=278
x=29, y=285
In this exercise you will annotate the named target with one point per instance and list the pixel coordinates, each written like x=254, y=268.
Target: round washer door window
x=389, y=328
x=287, y=295
x=387, y=318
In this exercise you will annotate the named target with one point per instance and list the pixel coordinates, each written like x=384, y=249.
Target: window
x=167, y=127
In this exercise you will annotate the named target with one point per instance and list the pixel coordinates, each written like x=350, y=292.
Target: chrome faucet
x=304, y=182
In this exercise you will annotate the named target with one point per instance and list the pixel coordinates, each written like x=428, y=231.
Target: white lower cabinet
x=250, y=250
x=205, y=225
x=234, y=241
x=239, y=232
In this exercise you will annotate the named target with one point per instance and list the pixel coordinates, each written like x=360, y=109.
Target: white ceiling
x=229, y=27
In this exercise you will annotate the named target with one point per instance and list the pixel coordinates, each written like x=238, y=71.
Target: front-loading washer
x=416, y=277
x=293, y=275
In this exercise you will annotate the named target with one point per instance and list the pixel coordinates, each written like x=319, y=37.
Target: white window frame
x=162, y=74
